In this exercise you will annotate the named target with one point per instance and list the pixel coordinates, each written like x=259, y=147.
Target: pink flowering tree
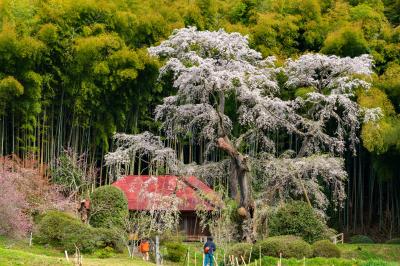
x=25, y=192
x=212, y=70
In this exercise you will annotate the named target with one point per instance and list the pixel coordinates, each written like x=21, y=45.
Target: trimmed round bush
x=289, y=246
x=393, y=241
x=61, y=230
x=299, y=219
x=108, y=207
x=175, y=251
x=361, y=239
x=241, y=249
x=326, y=249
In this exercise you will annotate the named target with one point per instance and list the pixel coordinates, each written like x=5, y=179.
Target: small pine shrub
x=241, y=249
x=361, y=239
x=393, y=241
x=175, y=251
x=299, y=219
x=61, y=230
x=109, y=207
x=326, y=249
x=289, y=246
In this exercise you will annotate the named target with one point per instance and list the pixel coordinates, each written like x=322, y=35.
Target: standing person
x=144, y=248
x=209, y=249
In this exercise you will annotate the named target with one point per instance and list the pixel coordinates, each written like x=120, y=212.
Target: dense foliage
x=74, y=72
x=61, y=230
x=176, y=251
x=297, y=218
x=108, y=207
x=326, y=249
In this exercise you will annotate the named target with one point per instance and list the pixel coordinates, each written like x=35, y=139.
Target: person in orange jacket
x=144, y=248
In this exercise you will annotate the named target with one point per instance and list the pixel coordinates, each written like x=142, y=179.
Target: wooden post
x=243, y=260
x=280, y=259
x=158, y=259
x=237, y=262
x=251, y=250
x=216, y=262
x=304, y=261
x=260, y=256
x=66, y=255
x=188, y=257
x=195, y=261
x=30, y=240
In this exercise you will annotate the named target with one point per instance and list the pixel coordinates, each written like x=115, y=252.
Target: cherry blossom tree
x=212, y=69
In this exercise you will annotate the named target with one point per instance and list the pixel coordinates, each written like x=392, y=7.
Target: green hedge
x=242, y=249
x=297, y=218
x=176, y=251
x=61, y=230
x=326, y=249
x=393, y=241
x=361, y=239
x=289, y=246
x=109, y=207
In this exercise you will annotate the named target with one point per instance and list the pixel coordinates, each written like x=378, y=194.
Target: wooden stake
x=216, y=263
x=66, y=255
x=30, y=240
x=243, y=260
x=251, y=250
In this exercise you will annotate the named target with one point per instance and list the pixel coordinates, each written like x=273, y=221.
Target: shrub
x=61, y=230
x=361, y=239
x=297, y=218
x=175, y=251
x=108, y=207
x=104, y=253
x=241, y=249
x=289, y=246
x=393, y=241
x=326, y=249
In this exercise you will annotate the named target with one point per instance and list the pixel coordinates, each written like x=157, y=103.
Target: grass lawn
x=12, y=257
x=19, y=253
x=371, y=251
x=352, y=255
x=267, y=261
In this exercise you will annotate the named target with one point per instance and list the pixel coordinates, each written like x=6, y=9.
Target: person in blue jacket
x=209, y=249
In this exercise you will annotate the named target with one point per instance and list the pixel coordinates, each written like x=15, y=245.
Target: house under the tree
x=143, y=193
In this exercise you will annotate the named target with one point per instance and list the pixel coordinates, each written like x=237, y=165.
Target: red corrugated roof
x=157, y=192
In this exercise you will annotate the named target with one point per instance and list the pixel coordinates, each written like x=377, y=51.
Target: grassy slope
x=325, y=262
x=371, y=251
x=17, y=257
x=352, y=255
x=19, y=253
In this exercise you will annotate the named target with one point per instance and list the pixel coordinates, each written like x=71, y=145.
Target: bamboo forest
x=258, y=105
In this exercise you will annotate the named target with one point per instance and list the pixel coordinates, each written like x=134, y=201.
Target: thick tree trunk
x=239, y=182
